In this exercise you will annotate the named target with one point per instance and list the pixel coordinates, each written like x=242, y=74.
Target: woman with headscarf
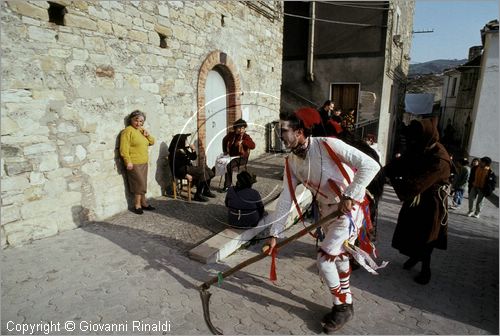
x=134, y=143
x=245, y=207
x=420, y=177
x=181, y=155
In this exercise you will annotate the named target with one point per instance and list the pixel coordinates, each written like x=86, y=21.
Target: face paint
x=289, y=136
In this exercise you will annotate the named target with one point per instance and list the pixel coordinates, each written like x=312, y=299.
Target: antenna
x=422, y=31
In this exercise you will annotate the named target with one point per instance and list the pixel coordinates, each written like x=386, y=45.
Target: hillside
x=433, y=67
x=430, y=83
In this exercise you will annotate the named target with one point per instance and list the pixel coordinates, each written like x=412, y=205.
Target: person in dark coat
x=482, y=182
x=236, y=143
x=323, y=128
x=420, y=178
x=245, y=207
x=181, y=155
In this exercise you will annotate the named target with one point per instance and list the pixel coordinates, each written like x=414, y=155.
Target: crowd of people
x=344, y=174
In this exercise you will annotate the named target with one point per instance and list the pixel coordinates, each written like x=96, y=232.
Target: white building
x=484, y=140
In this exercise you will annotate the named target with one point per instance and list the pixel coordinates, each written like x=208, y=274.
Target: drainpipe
x=310, y=47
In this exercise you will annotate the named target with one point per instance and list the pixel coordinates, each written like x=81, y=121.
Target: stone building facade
x=73, y=70
x=356, y=54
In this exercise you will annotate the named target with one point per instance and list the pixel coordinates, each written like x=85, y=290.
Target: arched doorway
x=216, y=70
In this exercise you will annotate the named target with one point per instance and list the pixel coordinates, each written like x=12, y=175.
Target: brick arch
x=220, y=62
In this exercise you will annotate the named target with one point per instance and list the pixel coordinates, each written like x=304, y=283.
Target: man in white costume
x=337, y=175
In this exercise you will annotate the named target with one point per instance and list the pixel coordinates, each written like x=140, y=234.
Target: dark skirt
x=200, y=174
x=416, y=225
x=243, y=219
x=138, y=179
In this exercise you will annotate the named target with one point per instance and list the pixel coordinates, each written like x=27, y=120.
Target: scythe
x=203, y=288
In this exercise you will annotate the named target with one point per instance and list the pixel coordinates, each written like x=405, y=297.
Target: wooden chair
x=238, y=169
x=178, y=187
x=179, y=183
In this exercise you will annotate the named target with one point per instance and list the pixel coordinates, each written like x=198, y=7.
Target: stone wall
x=66, y=90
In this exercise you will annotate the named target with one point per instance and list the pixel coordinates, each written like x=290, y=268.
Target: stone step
x=229, y=240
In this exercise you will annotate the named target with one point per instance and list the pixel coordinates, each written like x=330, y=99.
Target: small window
x=397, y=21
x=56, y=13
x=222, y=23
x=163, y=41
x=249, y=63
x=453, y=87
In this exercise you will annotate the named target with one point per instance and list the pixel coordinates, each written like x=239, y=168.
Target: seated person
x=236, y=143
x=245, y=207
x=181, y=153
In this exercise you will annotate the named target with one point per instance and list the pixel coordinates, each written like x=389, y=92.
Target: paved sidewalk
x=132, y=272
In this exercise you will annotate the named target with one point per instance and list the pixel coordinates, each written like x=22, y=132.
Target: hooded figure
x=420, y=178
x=181, y=155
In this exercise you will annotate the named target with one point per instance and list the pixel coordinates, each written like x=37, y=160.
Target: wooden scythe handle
x=206, y=285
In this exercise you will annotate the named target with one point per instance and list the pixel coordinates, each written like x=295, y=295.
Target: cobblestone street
x=134, y=271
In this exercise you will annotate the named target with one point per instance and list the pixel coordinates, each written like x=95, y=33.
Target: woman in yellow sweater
x=134, y=143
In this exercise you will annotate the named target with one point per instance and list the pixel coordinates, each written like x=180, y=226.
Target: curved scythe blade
x=205, y=298
x=203, y=288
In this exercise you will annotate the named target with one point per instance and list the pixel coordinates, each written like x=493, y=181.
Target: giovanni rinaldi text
x=87, y=326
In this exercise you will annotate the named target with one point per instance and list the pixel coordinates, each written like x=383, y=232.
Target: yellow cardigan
x=134, y=146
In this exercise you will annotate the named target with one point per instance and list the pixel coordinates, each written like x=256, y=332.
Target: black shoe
x=329, y=316
x=423, y=277
x=200, y=198
x=225, y=189
x=208, y=193
x=138, y=211
x=149, y=208
x=410, y=263
x=340, y=315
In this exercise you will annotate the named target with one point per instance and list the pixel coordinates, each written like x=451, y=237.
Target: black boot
x=329, y=316
x=206, y=190
x=410, y=263
x=199, y=193
x=424, y=276
x=340, y=315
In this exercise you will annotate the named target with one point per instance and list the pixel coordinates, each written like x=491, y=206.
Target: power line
x=422, y=31
x=332, y=21
x=353, y=6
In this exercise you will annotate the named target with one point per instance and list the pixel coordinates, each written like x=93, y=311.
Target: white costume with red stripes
x=319, y=173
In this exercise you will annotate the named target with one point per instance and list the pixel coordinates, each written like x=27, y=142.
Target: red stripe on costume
x=366, y=212
x=292, y=190
x=272, y=273
x=316, y=188
x=337, y=293
x=292, y=193
x=335, y=187
x=330, y=257
x=337, y=161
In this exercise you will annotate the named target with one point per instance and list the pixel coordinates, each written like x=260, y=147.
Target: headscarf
x=245, y=179
x=421, y=134
x=178, y=141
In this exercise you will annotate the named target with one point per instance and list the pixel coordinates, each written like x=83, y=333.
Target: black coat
x=421, y=181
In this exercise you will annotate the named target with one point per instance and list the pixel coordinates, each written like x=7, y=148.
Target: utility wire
x=353, y=6
x=338, y=22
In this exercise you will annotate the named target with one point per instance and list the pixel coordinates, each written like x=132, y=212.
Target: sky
x=456, y=26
